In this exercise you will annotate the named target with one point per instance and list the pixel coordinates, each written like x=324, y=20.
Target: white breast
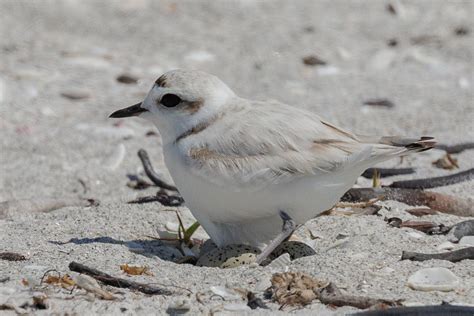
x=235, y=215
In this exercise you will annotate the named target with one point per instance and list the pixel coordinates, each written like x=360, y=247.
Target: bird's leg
x=289, y=227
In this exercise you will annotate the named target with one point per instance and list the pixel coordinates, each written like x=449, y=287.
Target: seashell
x=225, y=293
x=281, y=262
x=433, y=279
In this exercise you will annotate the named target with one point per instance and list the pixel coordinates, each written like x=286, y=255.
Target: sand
x=54, y=146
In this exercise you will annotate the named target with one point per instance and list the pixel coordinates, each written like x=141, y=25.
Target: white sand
x=49, y=142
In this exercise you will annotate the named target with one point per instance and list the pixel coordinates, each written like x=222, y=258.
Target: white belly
x=251, y=216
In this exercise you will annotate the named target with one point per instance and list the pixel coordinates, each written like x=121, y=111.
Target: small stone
x=313, y=60
x=75, y=94
x=461, y=31
x=380, y=102
x=127, y=79
x=433, y=279
x=392, y=42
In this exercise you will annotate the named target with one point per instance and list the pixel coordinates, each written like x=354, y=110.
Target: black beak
x=133, y=110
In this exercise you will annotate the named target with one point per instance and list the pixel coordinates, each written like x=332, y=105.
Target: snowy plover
x=239, y=163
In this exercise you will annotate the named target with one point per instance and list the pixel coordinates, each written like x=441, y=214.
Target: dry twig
x=453, y=256
x=435, y=182
x=331, y=295
x=436, y=201
x=151, y=173
x=387, y=172
x=455, y=149
x=117, y=282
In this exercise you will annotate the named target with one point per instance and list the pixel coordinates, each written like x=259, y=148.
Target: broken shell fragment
x=433, y=279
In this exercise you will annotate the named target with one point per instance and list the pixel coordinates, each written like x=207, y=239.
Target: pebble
x=179, y=306
x=467, y=241
x=281, y=262
x=127, y=78
x=75, y=94
x=433, y=279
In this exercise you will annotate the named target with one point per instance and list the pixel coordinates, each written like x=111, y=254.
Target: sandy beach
x=66, y=65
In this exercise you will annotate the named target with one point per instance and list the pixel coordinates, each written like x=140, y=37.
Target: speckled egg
x=229, y=256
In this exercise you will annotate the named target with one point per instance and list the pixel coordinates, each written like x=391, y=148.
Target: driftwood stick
x=436, y=201
x=117, y=282
x=453, y=256
x=151, y=173
x=434, y=182
x=331, y=295
x=387, y=172
x=455, y=149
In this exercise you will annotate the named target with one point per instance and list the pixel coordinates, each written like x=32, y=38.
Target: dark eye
x=170, y=100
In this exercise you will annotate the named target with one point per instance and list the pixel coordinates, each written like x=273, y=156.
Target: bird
x=244, y=165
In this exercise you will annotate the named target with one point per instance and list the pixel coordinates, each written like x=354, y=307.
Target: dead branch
x=117, y=282
x=331, y=295
x=453, y=256
x=435, y=182
x=151, y=173
x=455, y=149
x=436, y=201
x=41, y=205
x=387, y=172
